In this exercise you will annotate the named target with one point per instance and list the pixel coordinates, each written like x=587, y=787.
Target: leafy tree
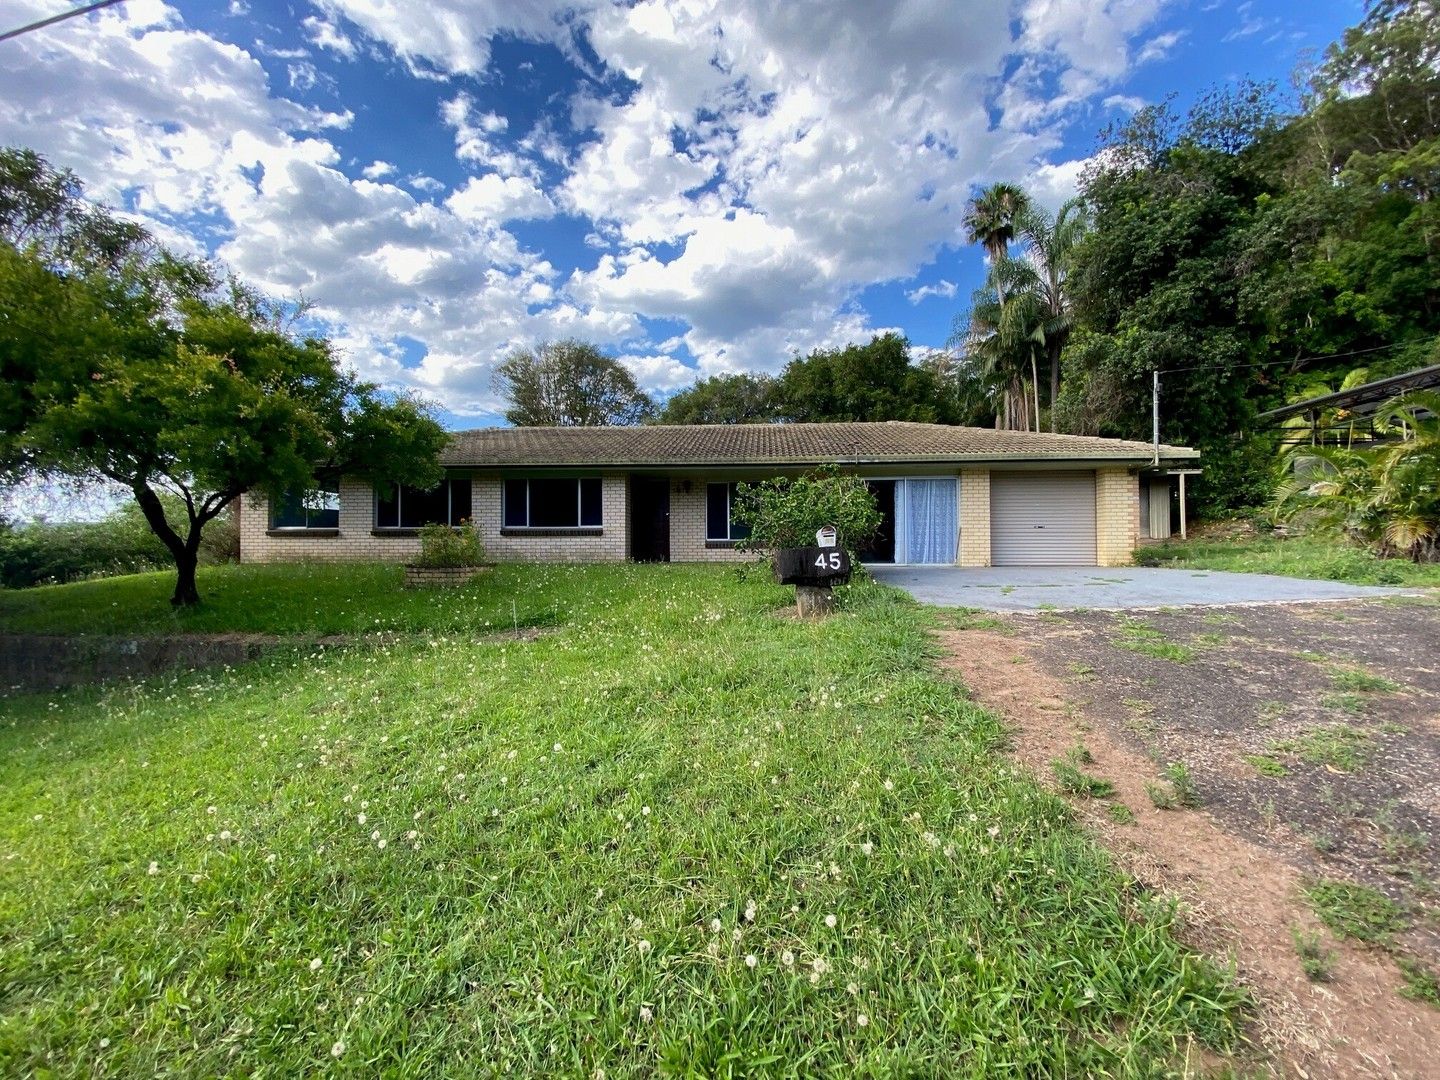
x=1387, y=494
x=124, y=362
x=991, y=220
x=875, y=381
x=723, y=399
x=788, y=511
x=569, y=383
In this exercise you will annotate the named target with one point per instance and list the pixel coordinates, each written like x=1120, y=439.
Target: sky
x=696, y=187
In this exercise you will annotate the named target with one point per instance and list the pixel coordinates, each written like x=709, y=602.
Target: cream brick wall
x=687, y=526
x=1117, y=516
x=974, y=517
x=357, y=520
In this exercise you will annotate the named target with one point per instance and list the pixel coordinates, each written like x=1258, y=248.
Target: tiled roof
x=784, y=444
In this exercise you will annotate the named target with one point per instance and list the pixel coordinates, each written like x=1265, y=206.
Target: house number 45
x=828, y=560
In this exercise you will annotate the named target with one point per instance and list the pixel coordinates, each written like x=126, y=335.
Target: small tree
x=569, y=384
x=788, y=511
x=122, y=361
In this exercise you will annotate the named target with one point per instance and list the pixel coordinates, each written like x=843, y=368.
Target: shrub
x=443, y=546
x=788, y=511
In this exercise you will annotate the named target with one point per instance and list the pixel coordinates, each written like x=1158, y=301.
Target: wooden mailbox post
x=813, y=570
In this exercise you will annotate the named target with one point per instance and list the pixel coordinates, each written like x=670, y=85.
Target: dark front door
x=881, y=548
x=649, y=519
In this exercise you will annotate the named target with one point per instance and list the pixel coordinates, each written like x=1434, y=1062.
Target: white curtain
x=931, y=521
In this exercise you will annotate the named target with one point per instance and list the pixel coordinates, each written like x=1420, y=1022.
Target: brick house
x=949, y=495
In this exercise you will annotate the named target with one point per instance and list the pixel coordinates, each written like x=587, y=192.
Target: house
x=949, y=495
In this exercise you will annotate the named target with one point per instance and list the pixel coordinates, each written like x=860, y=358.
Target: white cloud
x=474, y=142
x=1129, y=103
x=658, y=373
x=940, y=288
x=494, y=199
x=326, y=35
x=377, y=170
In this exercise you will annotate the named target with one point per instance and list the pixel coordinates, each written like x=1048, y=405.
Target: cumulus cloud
x=941, y=288
x=744, y=169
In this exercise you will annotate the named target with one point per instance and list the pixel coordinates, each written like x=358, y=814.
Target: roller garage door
x=1042, y=518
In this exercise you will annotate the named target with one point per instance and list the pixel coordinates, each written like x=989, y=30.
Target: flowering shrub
x=787, y=511
x=443, y=546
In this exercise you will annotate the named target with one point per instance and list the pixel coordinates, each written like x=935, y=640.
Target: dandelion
x=889, y=785
x=316, y=964
x=195, y=879
x=750, y=911
x=375, y=835
x=645, y=810
x=994, y=831
x=852, y=988
x=645, y=1014
x=787, y=958
x=360, y=819
x=104, y=1044
x=867, y=848
x=644, y=946
x=154, y=869
x=412, y=834
x=224, y=834
x=557, y=748
x=751, y=960
x=210, y=809
x=862, y=1020
x=830, y=921
x=714, y=926
x=380, y=843
x=337, y=1049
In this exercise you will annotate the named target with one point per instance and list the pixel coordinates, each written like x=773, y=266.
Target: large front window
x=317, y=509
x=567, y=503
x=400, y=506
x=720, y=523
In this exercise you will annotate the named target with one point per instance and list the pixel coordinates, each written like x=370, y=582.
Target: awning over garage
x=1042, y=518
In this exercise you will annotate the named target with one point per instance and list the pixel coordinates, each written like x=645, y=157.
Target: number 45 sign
x=831, y=561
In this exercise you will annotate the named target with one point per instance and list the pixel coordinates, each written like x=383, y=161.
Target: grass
x=1177, y=790
x=586, y=838
x=1299, y=556
x=1266, y=765
x=1074, y=782
x=1317, y=961
x=1120, y=813
x=1421, y=984
x=1138, y=636
x=1338, y=746
x=1356, y=911
x=1359, y=680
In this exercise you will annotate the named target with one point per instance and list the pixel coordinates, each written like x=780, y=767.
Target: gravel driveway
x=1034, y=588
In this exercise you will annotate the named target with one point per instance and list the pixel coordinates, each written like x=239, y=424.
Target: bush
x=44, y=552
x=442, y=546
x=788, y=511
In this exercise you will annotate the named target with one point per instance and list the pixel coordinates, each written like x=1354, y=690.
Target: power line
x=1290, y=363
x=58, y=18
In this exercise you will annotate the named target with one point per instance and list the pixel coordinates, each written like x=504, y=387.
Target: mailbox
x=812, y=566
x=825, y=536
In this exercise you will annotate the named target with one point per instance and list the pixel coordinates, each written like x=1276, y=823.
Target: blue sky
x=696, y=187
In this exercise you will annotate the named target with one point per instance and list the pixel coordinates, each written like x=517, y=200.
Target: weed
x=1421, y=983
x=1181, y=782
x=1338, y=746
x=1138, y=636
x=1360, y=680
x=1080, y=755
x=1219, y=618
x=1352, y=704
x=1313, y=657
x=1120, y=813
x=1356, y=911
x=1266, y=765
x=1162, y=797
x=1074, y=782
x=1209, y=640
x=1316, y=960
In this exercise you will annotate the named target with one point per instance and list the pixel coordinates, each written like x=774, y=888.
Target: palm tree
x=990, y=221
x=1050, y=249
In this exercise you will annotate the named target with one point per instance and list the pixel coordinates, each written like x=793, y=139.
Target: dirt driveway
x=1275, y=768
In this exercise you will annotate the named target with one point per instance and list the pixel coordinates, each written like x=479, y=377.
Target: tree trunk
x=186, y=594
x=1035, y=386
x=814, y=601
x=1054, y=351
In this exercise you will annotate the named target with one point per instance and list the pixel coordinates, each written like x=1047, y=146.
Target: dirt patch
x=1239, y=862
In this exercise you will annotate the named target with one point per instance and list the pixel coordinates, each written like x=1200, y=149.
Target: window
x=318, y=509
x=720, y=523
x=403, y=507
x=567, y=503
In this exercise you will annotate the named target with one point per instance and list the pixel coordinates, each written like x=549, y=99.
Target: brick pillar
x=974, y=517
x=1117, y=516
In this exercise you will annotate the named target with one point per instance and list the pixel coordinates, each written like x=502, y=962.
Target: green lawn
x=1299, y=556
x=680, y=833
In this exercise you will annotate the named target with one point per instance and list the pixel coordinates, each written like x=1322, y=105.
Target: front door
x=649, y=519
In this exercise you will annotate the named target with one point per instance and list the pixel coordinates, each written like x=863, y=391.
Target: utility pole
x=1155, y=410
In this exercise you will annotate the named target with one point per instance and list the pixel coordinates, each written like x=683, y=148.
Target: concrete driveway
x=1032, y=588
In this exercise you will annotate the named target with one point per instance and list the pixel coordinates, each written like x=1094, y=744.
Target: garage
x=1042, y=518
